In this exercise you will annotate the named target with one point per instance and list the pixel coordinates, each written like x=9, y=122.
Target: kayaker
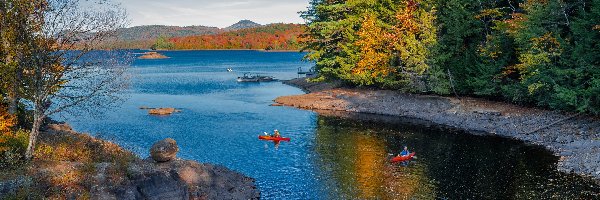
x=404, y=152
x=276, y=134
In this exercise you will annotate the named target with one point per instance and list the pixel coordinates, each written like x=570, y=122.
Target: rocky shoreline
x=72, y=165
x=574, y=138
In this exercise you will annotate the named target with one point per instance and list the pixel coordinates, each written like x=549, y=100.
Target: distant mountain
x=243, y=24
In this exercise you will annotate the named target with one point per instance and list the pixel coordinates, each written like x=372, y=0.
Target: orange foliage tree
x=373, y=52
x=7, y=122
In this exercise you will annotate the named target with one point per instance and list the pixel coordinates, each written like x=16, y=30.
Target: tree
x=537, y=52
x=18, y=20
x=162, y=43
x=413, y=35
x=374, y=54
x=64, y=70
x=331, y=31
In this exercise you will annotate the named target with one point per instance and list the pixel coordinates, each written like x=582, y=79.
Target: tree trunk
x=13, y=88
x=14, y=99
x=12, y=104
x=38, y=118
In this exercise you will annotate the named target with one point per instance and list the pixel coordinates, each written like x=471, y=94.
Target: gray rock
x=164, y=150
x=10, y=187
x=161, y=186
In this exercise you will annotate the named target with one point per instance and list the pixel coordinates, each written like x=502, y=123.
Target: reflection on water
x=355, y=154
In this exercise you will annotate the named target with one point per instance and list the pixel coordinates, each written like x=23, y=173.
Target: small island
x=153, y=55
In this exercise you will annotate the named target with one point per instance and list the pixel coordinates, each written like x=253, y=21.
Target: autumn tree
x=65, y=72
x=19, y=19
x=539, y=52
x=162, y=43
x=413, y=35
x=374, y=55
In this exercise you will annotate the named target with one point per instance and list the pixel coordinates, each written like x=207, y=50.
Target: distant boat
x=266, y=78
x=255, y=78
x=229, y=70
x=309, y=73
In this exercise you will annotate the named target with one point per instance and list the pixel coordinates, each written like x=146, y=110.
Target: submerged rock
x=164, y=150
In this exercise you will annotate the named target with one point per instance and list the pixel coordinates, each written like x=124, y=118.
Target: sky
x=218, y=13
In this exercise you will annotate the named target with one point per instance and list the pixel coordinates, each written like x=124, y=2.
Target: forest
x=542, y=53
x=269, y=37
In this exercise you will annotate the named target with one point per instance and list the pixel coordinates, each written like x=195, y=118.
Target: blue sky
x=219, y=13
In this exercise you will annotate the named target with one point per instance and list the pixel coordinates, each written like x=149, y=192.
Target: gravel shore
x=574, y=138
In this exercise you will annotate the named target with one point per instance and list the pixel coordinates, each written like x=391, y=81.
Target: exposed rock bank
x=153, y=55
x=162, y=111
x=574, y=138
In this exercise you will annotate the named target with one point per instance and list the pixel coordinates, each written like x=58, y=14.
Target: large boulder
x=164, y=150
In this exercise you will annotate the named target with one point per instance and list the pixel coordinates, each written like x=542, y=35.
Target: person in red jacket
x=276, y=134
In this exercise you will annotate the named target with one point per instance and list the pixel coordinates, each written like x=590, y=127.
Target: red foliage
x=270, y=37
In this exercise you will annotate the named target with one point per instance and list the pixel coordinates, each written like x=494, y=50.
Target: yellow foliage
x=547, y=43
x=412, y=36
x=489, y=13
x=406, y=17
x=535, y=87
x=7, y=121
x=515, y=23
x=374, y=60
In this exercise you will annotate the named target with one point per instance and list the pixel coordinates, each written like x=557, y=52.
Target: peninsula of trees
x=539, y=52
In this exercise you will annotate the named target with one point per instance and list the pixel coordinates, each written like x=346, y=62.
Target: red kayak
x=263, y=137
x=402, y=158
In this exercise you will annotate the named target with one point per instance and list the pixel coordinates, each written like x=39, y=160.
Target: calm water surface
x=328, y=157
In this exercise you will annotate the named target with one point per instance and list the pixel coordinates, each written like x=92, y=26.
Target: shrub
x=12, y=148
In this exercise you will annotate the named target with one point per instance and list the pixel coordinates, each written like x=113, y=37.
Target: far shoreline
x=259, y=50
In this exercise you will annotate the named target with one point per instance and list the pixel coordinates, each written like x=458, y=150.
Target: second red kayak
x=263, y=137
x=402, y=158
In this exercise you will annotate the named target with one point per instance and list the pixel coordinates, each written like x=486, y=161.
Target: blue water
x=220, y=118
x=328, y=157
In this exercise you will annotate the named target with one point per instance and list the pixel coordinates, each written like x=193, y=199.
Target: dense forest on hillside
x=142, y=37
x=539, y=52
x=155, y=31
x=270, y=37
x=242, y=35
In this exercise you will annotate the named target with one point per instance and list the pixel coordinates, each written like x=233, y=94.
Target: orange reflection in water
x=377, y=178
x=362, y=167
x=368, y=165
x=407, y=182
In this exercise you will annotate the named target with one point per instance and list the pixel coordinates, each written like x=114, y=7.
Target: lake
x=328, y=157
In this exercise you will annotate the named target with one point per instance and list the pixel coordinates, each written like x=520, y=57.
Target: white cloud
x=219, y=13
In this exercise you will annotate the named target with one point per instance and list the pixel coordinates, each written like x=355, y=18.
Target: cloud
x=219, y=13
